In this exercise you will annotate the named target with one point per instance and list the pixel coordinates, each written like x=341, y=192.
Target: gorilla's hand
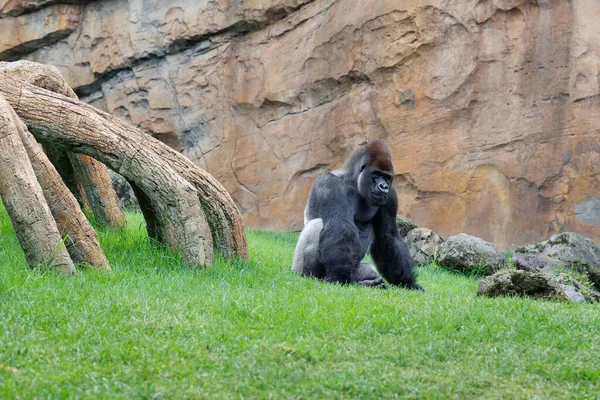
x=415, y=286
x=376, y=283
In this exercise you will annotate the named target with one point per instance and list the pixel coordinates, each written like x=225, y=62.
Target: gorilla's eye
x=362, y=167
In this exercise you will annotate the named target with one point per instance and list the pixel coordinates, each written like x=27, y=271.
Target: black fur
x=348, y=212
x=389, y=251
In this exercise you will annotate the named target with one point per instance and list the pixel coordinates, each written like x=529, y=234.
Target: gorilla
x=349, y=212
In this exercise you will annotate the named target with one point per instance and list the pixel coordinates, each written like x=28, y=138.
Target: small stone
x=572, y=295
x=404, y=225
x=423, y=244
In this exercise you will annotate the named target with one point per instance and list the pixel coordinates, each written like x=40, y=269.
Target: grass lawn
x=156, y=329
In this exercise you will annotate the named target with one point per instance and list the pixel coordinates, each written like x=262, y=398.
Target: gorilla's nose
x=383, y=187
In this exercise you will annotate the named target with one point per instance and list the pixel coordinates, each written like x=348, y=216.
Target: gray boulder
x=543, y=284
x=579, y=252
x=537, y=263
x=556, y=269
x=471, y=255
x=423, y=244
x=524, y=283
x=404, y=225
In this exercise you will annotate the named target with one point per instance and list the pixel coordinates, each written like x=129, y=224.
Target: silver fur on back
x=306, y=256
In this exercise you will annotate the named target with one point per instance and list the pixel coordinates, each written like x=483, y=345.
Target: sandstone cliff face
x=490, y=107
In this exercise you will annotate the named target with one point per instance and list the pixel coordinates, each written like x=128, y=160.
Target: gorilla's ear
x=362, y=167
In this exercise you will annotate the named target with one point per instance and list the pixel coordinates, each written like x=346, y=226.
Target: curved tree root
x=24, y=200
x=89, y=174
x=189, y=206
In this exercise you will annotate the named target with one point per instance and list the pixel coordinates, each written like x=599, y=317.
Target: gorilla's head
x=374, y=185
x=375, y=173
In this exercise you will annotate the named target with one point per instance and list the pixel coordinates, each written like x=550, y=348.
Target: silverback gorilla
x=350, y=211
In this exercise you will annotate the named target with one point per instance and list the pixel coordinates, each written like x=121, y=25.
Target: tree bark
x=78, y=234
x=61, y=162
x=24, y=200
x=99, y=192
x=79, y=127
x=91, y=174
x=221, y=212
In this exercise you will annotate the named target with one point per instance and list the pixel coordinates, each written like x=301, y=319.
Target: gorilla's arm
x=332, y=200
x=389, y=251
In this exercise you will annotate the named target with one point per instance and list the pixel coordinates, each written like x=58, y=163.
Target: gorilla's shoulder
x=331, y=177
x=332, y=186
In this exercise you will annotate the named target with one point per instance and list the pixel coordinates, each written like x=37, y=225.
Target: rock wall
x=490, y=107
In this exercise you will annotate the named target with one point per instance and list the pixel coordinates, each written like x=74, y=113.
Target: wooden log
x=91, y=174
x=221, y=212
x=78, y=127
x=24, y=200
x=99, y=192
x=61, y=162
x=78, y=234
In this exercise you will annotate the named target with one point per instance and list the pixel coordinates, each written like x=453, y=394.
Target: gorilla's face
x=374, y=185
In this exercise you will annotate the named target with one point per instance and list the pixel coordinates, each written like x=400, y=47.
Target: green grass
x=156, y=329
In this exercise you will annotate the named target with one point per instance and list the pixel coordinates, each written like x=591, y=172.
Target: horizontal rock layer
x=489, y=106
